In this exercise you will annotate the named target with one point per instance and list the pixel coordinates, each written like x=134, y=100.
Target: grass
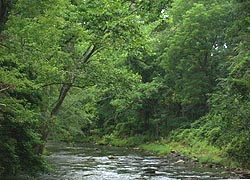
x=200, y=150
x=185, y=144
x=122, y=142
x=160, y=149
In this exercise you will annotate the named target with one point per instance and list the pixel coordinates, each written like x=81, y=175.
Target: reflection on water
x=93, y=162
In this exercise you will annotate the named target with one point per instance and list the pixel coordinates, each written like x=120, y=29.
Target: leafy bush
x=239, y=148
x=20, y=140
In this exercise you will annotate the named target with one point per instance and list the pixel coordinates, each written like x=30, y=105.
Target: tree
x=230, y=112
x=47, y=51
x=195, y=48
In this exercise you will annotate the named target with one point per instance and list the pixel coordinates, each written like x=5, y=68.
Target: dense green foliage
x=131, y=70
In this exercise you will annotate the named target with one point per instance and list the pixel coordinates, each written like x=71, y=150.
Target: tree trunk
x=63, y=92
x=49, y=120
x=5, y=6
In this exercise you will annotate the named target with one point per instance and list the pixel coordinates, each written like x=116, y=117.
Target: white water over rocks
x=91, y=162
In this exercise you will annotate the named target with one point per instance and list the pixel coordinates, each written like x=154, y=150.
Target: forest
x=126, y=73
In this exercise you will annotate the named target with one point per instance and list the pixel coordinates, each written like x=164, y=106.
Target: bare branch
x=61, y=83
x=4, y=89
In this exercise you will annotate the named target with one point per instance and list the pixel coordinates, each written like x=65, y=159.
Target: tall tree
x=48, y=47
x=195, y=47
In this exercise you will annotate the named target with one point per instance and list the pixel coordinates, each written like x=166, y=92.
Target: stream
x=93, y=162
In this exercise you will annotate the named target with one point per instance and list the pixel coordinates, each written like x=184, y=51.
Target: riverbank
x=92, y=161
x=195, y=150
x=200, y=152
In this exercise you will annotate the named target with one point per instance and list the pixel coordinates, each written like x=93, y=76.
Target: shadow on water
x=92, y=162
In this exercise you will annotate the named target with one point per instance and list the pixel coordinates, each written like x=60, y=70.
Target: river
x=92, y=162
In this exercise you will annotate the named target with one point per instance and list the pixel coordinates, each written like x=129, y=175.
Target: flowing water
x=93, y=162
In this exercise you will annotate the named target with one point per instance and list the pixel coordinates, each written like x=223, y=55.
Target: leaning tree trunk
x=49, y=120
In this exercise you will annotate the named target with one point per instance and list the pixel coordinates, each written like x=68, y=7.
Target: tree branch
x=54, y=83
x=4, y=89
x=63, y=92
x=61, y=83
x=67, y=86
x=88, y=53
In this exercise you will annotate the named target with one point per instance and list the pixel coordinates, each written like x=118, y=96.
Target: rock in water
x=111, y=157
x=180, y=161
x=150, y=170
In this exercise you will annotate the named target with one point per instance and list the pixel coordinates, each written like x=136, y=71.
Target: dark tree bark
x=3, y=9
x=5, y=6
x=63, y=92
